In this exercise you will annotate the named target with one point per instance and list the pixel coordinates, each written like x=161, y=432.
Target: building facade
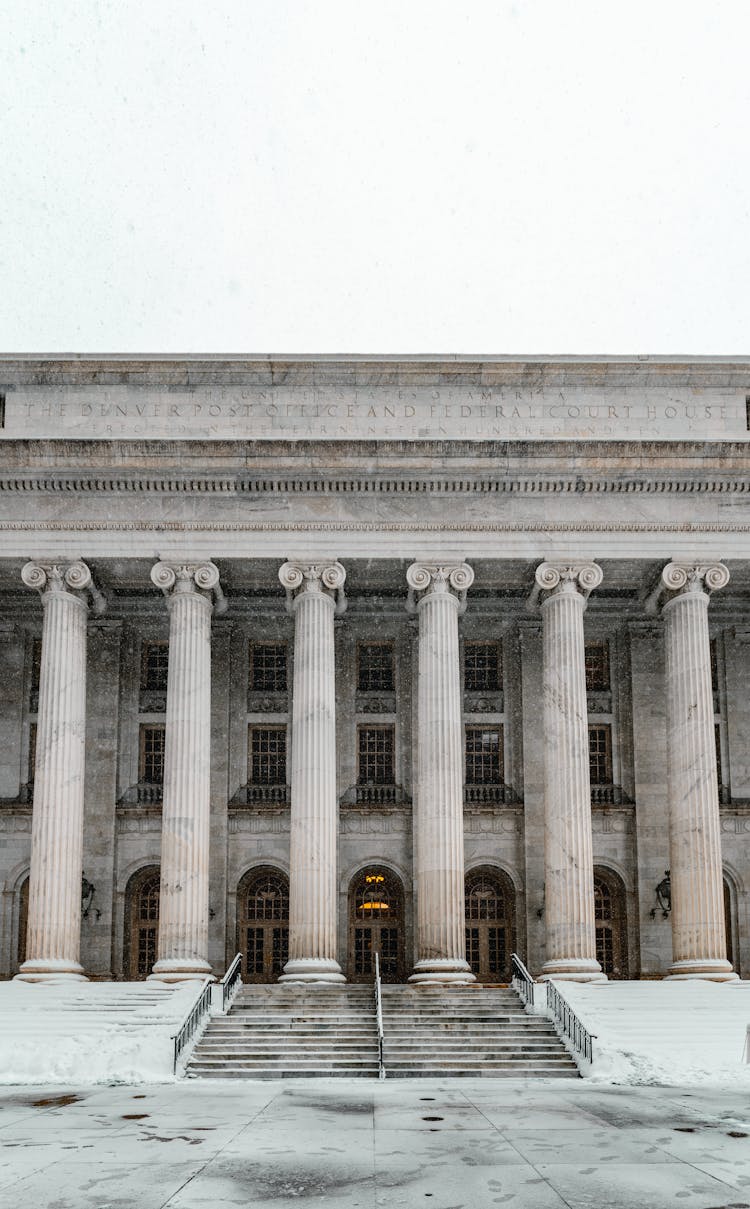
x=312, y=658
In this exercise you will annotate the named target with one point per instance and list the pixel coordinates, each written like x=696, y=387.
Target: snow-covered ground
x=90, y=1032
x=664, y=1032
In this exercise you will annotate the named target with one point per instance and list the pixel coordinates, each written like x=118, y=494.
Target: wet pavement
x=446, y=1144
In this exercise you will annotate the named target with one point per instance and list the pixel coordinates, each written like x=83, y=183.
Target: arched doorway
x=263, y=924
x=142, y=923
x=610, y=923
x=23, y=920
x=490, y=923
x=376, y=925
x=729, y=922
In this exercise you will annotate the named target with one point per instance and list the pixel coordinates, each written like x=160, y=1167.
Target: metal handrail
x=192, y=1022
x=231, y=981
x=522, y=981
x=569, y=1024
x=379, y=1018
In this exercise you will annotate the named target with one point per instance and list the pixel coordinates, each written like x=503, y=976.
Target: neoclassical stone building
x=308, y=658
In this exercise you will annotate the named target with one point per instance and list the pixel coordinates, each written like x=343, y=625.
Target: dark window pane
x=268, y=667
x=267, y=755
x=376, y=755
x=375, y=664
x=600, y=755
x=152, y=755
x=154, y=666
x=597, y=667
x=484, y=751
x=482, y=667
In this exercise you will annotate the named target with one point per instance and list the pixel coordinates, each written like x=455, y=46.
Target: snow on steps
x=664, y=1032
x=90, y=1032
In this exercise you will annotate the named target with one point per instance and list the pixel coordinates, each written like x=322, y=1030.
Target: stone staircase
x=281, y=1031
x=472, y=1031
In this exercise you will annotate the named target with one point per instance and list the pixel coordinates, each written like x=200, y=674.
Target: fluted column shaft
x=568, y=858
x=315, y=594
x=185, y=833
x=698, y=930
x=438, y=594
x=54, y=921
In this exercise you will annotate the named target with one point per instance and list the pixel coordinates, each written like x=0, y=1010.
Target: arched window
x=610, y=923
x=490, y=923
x=729, y=922
x=376, y=910
x=23, y=920
x=142, y=923
x=263, y=923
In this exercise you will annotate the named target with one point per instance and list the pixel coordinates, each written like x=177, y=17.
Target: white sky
x=468, y=177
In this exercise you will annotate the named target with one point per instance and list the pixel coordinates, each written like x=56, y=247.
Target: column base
x=178, y=969
x=573, y=969
x=312, y=969
x=711, y=970
x=52, y=969
x=442, y=971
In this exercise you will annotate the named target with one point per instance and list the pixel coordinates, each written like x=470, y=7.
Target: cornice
x=348, y=526
x=69, y=483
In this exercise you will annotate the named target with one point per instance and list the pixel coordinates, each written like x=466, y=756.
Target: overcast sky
x=419, y=177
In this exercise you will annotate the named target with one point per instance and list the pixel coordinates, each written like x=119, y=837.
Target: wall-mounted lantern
x=663, y=897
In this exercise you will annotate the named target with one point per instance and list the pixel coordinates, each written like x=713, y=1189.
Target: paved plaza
x=450, y=1144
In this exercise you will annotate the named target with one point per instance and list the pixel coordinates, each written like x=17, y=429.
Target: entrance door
x=489, y=924
x=610, y=923
x=143, y=923
x=376, y=909
x=263, y=924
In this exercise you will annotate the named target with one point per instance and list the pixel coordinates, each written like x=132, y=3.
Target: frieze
x=137, y=822
x=611, y=822
x=373, y=822
x=493, y=822
x=735, y=823
x=349, y=526
x=265, y=824
x=18, y=823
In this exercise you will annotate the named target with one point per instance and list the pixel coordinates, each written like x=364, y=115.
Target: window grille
x=375, y=667
x=376, y=756
x=600, y=755
x=484, y=752
x=154, y=665
x=36, y=668
x=482, y=667
x=713, y=646
x=268, y=667
x=267, y=755
x=32, y=753
x=268, y=897
x=597, y=667
x=152, y=755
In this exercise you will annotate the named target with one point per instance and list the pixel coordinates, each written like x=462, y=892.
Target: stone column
x=568, y=855
x=185, y=825
x=54, y=926
x=438, y=595
x=314, y=595
x=698, y=936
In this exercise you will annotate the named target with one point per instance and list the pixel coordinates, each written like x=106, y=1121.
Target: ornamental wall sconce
x=663, y=897
x=88, y=890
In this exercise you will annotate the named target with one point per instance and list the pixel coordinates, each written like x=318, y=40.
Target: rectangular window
x=597, y=667
x=268, y=667
x=32, y=752
x=375, y=667
x=717, y=740
x=714, y=665
x=376, y=755
x=154, y=665
x=152, y=755
x=267, y=755
x=600, y=755
x=483, y=671
x=36, y=668
x=484, y=755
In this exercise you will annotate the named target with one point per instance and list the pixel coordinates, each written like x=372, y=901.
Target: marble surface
x=465, y=1144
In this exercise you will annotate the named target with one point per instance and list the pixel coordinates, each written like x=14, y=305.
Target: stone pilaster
x=314, y=596
x=438, y=594
x=568, y=857
x=698, y=935
x=54, y=926
x=183, y=906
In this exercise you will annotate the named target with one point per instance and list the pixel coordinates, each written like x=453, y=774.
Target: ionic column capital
x=179, y=579
x=691, y=579
x=438, y=579
x=565, y=578
x=323, y=579
x=73, y=579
